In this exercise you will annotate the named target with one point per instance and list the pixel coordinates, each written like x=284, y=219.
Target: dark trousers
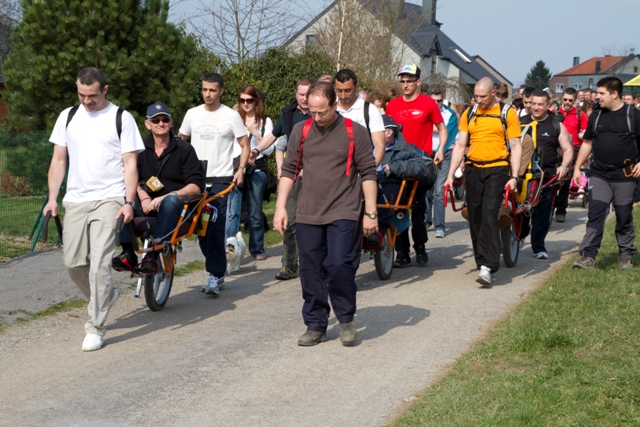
x=289, y=244
x=214, y=244
x=418, y=225
x=485, y=194
x=601, y=194
x=562, y=199
x=328, y=270
x=540, y=220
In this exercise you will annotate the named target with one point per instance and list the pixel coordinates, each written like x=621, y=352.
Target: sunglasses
x=156, y=120
x=247, y=100
x=567, y=99
x=408, y=82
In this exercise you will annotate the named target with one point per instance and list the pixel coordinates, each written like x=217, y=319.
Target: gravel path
x=233, y=361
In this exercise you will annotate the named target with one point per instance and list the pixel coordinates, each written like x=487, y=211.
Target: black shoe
x=402, y=260
x=421, y=256
x=126, y=261
x=148, y=264
x=373, y=241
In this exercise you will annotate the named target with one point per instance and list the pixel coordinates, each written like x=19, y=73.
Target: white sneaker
x=439, y=233
x=220, y=285
x=542, y=255
x=212, y=287
x=92, y=342
x=485, y=277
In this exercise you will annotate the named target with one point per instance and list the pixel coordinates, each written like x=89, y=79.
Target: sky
x=513, y=34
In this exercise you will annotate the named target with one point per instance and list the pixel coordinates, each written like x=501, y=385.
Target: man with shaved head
x=491, y=167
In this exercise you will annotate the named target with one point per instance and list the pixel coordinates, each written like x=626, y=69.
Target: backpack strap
x=366, y=115
x=472, y=113
x=72, y=113
x=349, y=125
x=305, y=131
x=74, y=110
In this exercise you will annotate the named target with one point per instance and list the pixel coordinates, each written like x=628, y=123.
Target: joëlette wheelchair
x=193, y=219
x=383, y=253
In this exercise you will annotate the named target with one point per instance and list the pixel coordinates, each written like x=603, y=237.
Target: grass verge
x=567, y=356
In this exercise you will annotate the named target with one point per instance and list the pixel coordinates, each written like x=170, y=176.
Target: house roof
x=422, y=37
x=589, y=66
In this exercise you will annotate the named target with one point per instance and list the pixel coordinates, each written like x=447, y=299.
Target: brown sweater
x=327, y=194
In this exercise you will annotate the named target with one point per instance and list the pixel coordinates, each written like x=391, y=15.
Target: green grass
x=188, y=268
x=60, y=307
x=567, y=356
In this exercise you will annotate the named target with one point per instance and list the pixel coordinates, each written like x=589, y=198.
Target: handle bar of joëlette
x=45, y=226
x=448, y=192
x=119, y=227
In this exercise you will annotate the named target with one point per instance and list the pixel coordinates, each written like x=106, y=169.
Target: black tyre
x=585, y=199
x=510, y=245
x=458, y=191
x=383, y=259
x=157, y=288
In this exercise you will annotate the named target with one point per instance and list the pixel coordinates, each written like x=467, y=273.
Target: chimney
x=576, y=60
x=429, y=11
x=597, y=66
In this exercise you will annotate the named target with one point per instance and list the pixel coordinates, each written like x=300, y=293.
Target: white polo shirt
x=356, y=113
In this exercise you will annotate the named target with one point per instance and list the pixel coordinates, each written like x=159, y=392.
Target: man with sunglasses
x=418, y=114
x=213, y=128
x=576, y=122
x=612, y=137
x=178, y=174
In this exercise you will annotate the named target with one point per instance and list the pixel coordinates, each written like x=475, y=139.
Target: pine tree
x=145, y=58
x=539, y=76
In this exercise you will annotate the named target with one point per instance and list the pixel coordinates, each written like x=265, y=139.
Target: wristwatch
x=517, y=178
x=372, y=215
x=132, y=204
x=566, y=167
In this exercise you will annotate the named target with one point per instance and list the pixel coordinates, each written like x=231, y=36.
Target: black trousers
x=418, y=225
x=214, y=244
x=485, y=194
x=328, y=263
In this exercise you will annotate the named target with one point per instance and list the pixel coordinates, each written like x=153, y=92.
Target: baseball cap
x=389, y=123
x=157, y=109
x=411, y=69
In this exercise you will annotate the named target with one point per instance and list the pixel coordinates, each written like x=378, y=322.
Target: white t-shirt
x=96, y=169
x=356, y=113
x=213, y=134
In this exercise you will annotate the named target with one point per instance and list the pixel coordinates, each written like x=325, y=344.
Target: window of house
x=590, y=83
x=635, y=69
x=559, y=87
x=577, y=86
x=312, y=41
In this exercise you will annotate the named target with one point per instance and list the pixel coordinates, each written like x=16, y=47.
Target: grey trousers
x=601, y=195
x=89, y=237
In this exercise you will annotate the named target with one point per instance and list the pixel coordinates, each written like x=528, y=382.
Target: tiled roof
x=589, y=66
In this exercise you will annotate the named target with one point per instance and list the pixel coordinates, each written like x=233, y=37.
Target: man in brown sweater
x=338, y=169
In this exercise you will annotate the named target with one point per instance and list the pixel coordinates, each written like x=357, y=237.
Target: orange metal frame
x=392, y=230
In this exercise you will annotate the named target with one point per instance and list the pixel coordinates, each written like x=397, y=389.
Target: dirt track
x=233, y=361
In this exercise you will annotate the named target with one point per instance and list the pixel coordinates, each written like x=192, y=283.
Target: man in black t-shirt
x=611, y=136
x=550, y=134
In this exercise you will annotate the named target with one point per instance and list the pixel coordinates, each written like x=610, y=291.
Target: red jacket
x=574, y=123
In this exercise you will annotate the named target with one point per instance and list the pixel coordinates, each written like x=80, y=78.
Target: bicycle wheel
x=157, y=288
x=510, y=245
x=458, y=191
x=383, y=259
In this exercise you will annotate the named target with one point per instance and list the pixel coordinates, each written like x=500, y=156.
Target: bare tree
x=10, y=14
x=239, y=30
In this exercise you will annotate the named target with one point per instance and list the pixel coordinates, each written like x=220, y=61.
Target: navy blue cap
x=157, y=109
x=389, y=123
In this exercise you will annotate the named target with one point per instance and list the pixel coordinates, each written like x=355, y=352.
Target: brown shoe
x=311, y=338
x=348, y=333
x=285, y=273
x=585, y=263
x=625, y=264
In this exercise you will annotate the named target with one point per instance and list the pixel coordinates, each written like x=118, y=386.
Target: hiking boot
x=586, y=262
x=402, y=260
x=421, y=256
x=559, y=218
x=126, y=261
x=625, y=264
x=485, y=277
x=148, y=264
x=311, y=338
x=348, y=333
x=285, y=273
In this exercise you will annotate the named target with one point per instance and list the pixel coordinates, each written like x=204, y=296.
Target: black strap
x=164, y=162
x=74, y=110
x=366, y=115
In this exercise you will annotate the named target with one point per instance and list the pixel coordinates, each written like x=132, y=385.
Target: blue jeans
x=253, y=194
x=438, y=192
x=214, y=244
x=166, y=219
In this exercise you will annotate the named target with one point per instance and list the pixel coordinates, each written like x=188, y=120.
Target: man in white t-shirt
x=213, y=128
x=102, y=143
x=352, y=106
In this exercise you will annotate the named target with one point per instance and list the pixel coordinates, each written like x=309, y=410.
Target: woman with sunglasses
x=251, y=110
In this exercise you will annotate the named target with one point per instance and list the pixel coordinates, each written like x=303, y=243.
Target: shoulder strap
x=264, y=122
x=366, y=115
x=595, y=123
x=471, y=113
x=556, y=125
x=504, y=108
x=72, y=113
x=305, y=131
x=578, y=117
x=349, y=125
x=631, y=122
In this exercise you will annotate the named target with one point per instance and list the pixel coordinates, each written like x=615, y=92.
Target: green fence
x=24, y=162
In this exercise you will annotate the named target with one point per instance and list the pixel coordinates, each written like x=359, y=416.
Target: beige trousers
x=89, y=236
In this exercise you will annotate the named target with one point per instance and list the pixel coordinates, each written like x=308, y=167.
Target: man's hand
x=238, y=178
x=439, y=156
x=280, y=220
x=253, y=154
x=369, y=226
x=127, y=212
x=385, y=169
x=512, y=184
x=636, y=170
x=561, y=172
x=577, y=177
x=52, y=206
x=448, y=184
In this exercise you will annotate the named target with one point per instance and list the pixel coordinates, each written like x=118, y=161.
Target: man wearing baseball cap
x=417, y=114
x=168, y=171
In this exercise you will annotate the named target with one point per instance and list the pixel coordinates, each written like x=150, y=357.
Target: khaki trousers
x=89, y=243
